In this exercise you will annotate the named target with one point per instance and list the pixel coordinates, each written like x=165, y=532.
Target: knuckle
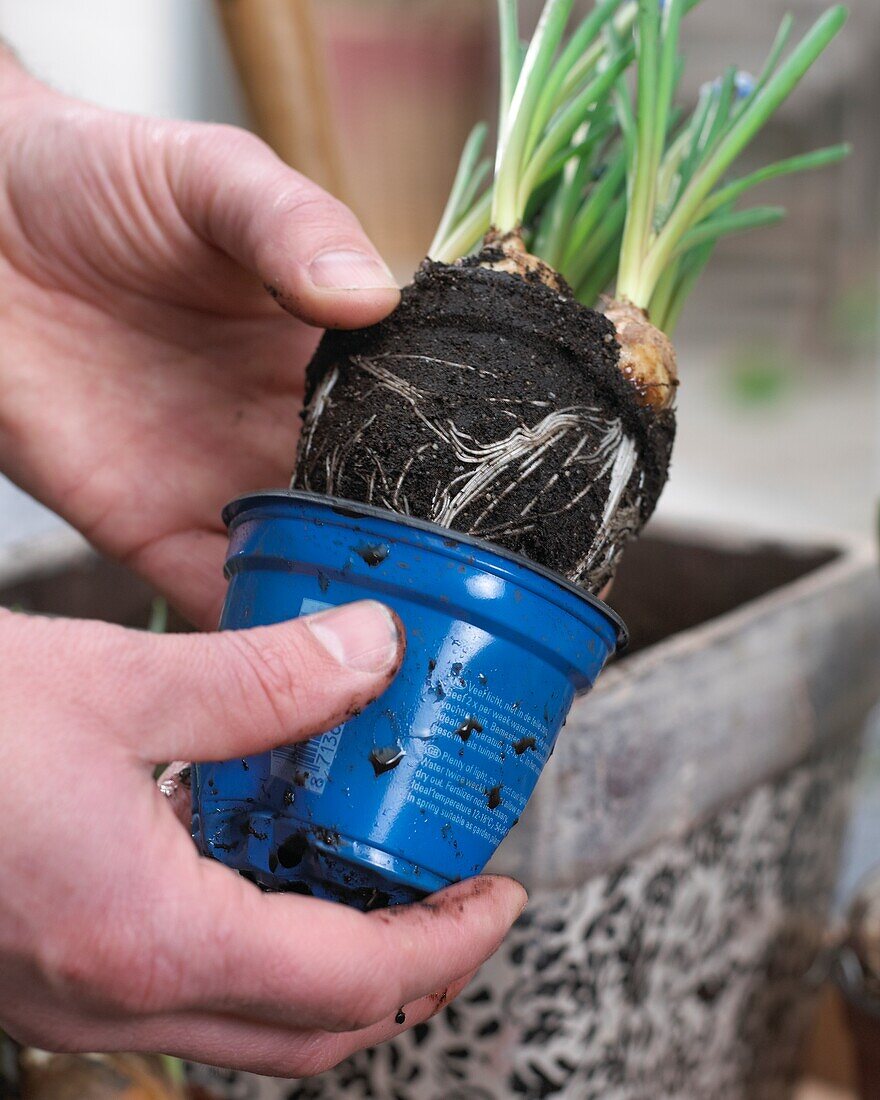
x=309, y=205
x=269, y=675
x=220, y=140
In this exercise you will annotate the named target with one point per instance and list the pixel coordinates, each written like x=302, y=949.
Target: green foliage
x=158, y=615
x=615, y=189
x=761, y=376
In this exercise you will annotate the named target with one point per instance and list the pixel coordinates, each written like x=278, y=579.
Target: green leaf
x=640, y=215
x=806, y=162
x=598, y=128
x=577, y=49
x=668, y=74
x=463, y=186
x=564, y=127
x=742, y=133
x=604, y=259
x=723, y=225
x=158, y=616
x=603, y=242
x=556, y=219
x=511, y=56
x=506, y=209
x=467, y=234
x=606, y=190
x=689, y=268
x=617, y=30
x=776, y=51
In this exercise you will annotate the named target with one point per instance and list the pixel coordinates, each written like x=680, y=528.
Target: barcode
x=307, y=765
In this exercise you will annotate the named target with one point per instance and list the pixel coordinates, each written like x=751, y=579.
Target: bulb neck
x=647, y=355
x=506, y=252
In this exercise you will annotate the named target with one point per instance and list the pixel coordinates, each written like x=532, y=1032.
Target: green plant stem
x=640, y=285
x=506, y=209
x=723, y=225
x=821, y=158
x=597, y=128
x=667, y=77
x=776, y=51
x=601, y=270
x=619, y=27
x=568, y=122
x=508, y=31
x=468, y=233
x=577, y=48
x=689, y=271
x=552, y=234
x=603, y=243
x=642, y=171
x=670, y=168
x=457, y=201
x=595, y=209
x=665, y=290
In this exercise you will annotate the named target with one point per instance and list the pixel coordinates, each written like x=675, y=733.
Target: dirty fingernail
x=350, y=270
x=364, y=636
x=510, y=893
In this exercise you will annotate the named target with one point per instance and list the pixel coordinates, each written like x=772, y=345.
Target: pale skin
x=146, y=377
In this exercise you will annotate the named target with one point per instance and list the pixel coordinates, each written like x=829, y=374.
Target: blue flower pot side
x=418, y=790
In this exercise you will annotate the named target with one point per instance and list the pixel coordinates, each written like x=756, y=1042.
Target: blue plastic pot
x=419, y=790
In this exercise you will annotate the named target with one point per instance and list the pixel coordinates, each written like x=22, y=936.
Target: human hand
x=146, y=376
x=115, y=934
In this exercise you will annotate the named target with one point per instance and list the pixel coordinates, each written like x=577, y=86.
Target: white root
x=492, y=469
x=316, y=408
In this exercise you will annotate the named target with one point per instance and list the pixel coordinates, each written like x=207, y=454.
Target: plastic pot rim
x=236, y=508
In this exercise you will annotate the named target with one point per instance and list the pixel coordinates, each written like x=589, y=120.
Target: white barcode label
x=307, y=765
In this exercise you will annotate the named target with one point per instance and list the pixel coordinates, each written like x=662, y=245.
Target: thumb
x=240, y=692
x=307, y=248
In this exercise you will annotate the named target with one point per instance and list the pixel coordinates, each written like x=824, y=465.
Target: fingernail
x=350, y=270
x=364, y=636
x=513, y=893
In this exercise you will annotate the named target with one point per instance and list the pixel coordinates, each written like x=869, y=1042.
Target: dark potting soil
x=492, y=405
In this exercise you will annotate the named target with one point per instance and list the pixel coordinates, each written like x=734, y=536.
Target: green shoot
x=567, y=123
x=174, y=1071
x=158, y=615
x=580, y=47
x=508, y=33
x=512, y=141
x=611, y=189
x=466, y=182
x=738, y=221
x=560, y=211
x=821, y=158
x=641, y=270
x=621, y=26
x=776, y=51
x=643, y=161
